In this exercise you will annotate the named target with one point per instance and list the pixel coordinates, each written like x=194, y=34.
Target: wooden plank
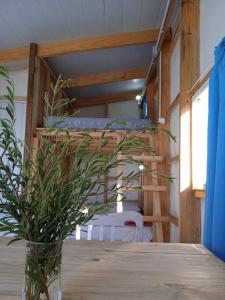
x=97, y=43
x=163, y=141
x=145, y=188
x=200, y=194
x=199, y=83
x=158, y=234
x=105, y=99
x=14, y=54
x=173, y=159
x=16, y=98
x=88, y=80
x=174, y=220
x=190, y=221
x=156, y=219
x=150, y=100
x=172, y=106
x=30, y=98
x=144, y=157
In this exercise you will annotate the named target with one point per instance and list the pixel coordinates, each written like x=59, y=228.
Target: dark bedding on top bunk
x=97, y=123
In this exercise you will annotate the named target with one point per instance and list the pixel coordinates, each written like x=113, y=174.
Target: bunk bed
x=149, y=203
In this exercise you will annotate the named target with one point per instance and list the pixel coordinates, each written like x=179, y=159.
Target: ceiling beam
x=87, y=80
x=105, y=99
x=98, y=43
x=82, y=45
x=14, y=54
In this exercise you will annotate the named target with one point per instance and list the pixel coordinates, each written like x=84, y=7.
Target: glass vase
x=42, y=271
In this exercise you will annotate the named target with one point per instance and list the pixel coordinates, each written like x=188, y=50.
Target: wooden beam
x=200, y=194
x=82, y=45
x=163, y=142
x=105, y=99
x=98, y=42
x=190, y=213
x=150, y=100
x=30, y=98
x=16, y=98
x=14, y=54
x=79, y=81
x=172, y=106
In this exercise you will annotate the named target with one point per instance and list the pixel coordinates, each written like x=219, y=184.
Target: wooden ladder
x=155, y=188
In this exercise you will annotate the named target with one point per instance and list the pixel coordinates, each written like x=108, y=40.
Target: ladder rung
x=156, y=219
x=145, y=188
x=144, y=158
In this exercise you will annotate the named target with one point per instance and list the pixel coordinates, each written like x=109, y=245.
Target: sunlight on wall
x=185, y=153
x=199, y=137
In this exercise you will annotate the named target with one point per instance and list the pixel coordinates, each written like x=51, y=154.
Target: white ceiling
x=40, y=21
x=95, y=62
x=26, y=21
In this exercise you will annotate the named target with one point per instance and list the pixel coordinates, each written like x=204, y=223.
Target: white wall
x=97, y=111
x=212, y=30
x=20, y=80
x=126, y=109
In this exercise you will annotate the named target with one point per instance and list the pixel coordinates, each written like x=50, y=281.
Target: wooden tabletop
x=95, y=270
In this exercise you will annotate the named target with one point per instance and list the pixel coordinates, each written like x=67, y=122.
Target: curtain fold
x=214, y=229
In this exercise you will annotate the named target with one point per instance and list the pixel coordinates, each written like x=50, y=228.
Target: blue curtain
x=214, y=231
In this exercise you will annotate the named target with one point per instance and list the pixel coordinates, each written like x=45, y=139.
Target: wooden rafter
x=98, y=43
x=79, y=81
x=14, y=54
x=82, y=45
x=105, y=99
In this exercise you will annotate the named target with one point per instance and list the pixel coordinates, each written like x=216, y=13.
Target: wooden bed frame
x=152, y=187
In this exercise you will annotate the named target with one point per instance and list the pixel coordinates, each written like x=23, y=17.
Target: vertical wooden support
x=30, y=98
x=157, y=226
x=150, y=100
x=163, y=141
x=148, y=196
x=189, y=73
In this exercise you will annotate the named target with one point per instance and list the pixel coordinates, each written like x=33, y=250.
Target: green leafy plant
x=42, y=200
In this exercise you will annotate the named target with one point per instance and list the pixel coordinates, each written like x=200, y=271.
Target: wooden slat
x=79, y=81
x=144, y=158
x=158, y=234
x=105, y=99
x=14, y=54
x=172, y=106
x=145, y=188
x=199, y=194
x=199, y=83
x=156, y=219
x=98, y=42
x=173, y=159
x=190, y=211
x=16, y=98
x=174, y=220
x=30, y=98
x=150, y=100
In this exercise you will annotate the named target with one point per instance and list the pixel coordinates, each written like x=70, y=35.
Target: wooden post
x=163, y=141
x=150, y=100
x=30, y=98
x=189, y=73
